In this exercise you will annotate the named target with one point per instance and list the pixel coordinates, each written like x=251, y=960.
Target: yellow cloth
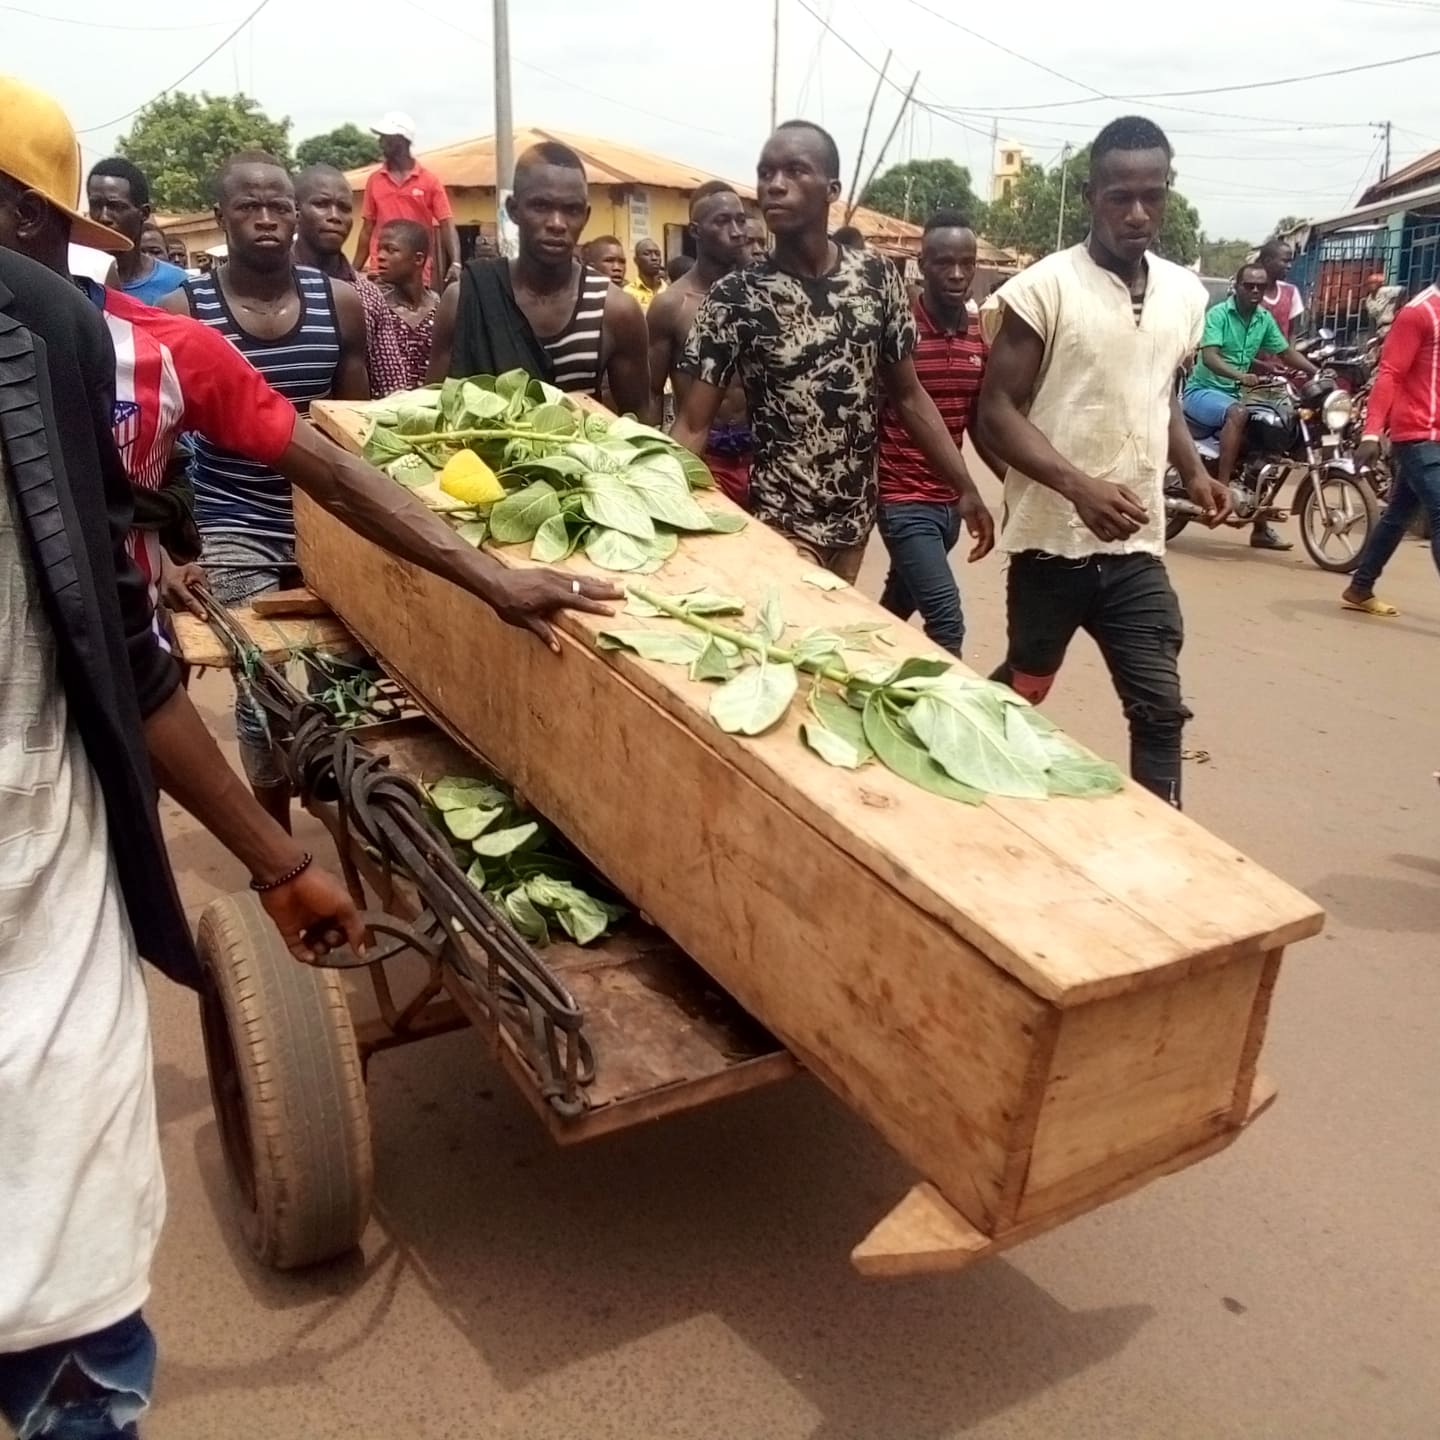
x=642, y=292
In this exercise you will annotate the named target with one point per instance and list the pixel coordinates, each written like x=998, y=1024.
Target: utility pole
x=865, y=132
x=885, y=145
x=775, y=68
x=506, y=237
x=1064, y=175
x=1385, y=167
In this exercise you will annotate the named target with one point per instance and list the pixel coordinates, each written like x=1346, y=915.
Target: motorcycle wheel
x=1174, y=524
x=1335, y=520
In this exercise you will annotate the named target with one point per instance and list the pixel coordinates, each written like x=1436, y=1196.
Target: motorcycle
x=1311, y=432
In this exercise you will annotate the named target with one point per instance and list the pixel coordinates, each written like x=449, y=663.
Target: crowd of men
x=826, y=398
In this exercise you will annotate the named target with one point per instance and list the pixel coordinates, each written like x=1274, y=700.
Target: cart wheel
x=288, y=1090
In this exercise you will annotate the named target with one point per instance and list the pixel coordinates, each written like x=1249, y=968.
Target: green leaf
x=919, y=667
x=726, y=522
x=712, y=663
x=416, y=419
x=1084, y=776
x=840, y=718
x=754, y=700
x=626, y=427
x=411, y=470
x=591, y=457
x=817, y=647
x=597, y=427
x=967, y=740
x=478, y=404
x=585, y=919
x=711, y=602
x=511, y=383
x=561, y=466
x=832, y=748
x=542, y=392
x=517, y=517
x=552, y=541
x=824, y=580
x=772, y=622
x=525, y=917
x=494, y=844
x=665, y=494
x=473, y=532
x=698, y=477
x=452, y=401
x=476, y=874
x=611, y=502
x=554, y=420
x=459, y=792
x=473, y=820
x=663, y=545
x=611, y=550
x=383, y=445
x=862, y=636
x=662, y=645
x=902, y=753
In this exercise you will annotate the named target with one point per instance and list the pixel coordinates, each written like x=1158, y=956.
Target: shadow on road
x=744, y=1214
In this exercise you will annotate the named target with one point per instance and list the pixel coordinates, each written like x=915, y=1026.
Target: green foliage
x=1223, y=257
x=346, y=147
x=520, y=862
x=1025, y=220
x=181, y=140
x=620, y=490
x=952, y=734
x=915, y=190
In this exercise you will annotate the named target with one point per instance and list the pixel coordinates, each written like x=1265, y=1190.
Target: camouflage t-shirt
x=808, y=353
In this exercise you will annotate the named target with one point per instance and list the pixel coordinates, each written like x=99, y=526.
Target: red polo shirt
x=950, y=368
x=419, y=196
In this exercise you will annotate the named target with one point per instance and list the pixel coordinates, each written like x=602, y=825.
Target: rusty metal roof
x=1408, y=177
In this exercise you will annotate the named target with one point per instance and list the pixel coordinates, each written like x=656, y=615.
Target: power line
x=209, y=54
x=109, y=25
x=1232, y=89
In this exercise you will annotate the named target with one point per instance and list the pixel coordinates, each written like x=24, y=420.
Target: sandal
x=1369, y=606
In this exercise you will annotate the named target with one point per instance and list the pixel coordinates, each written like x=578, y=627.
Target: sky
x=693, y=81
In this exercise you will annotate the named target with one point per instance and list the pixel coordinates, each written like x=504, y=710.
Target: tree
x=346, y=147
x=918, y=188
x=1026, y=219
x=180, y=141
x=1223, y=257
x=1287, y=223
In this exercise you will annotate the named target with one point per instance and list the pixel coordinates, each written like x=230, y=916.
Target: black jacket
x=57, y=384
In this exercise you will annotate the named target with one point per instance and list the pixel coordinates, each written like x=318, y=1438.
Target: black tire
x=288, y=1090
x=1174, y=524
x=1357, y=497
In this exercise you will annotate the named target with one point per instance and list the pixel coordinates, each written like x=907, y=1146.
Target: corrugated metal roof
x=1409, y=177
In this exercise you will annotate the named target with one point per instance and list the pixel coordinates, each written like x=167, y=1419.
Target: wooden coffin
x=1040, y=1004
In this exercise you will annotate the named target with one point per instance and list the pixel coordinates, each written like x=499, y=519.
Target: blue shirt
x=162, y=279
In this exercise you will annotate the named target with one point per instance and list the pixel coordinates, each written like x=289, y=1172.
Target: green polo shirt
x=1239, y=343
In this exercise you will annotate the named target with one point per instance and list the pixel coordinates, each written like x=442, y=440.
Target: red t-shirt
x=419, y=197
x=950, y=368
x=173, y=374
x=1406, y=399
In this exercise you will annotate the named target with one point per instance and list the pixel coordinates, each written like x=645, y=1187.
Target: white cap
x=395, y=122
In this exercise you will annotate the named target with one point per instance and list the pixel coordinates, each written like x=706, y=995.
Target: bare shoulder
x=623, y=315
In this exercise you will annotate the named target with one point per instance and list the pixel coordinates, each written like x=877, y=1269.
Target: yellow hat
x=38, y=149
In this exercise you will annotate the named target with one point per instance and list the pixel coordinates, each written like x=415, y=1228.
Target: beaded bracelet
x=261, y=886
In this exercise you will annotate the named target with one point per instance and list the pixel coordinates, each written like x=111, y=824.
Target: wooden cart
x=287, y=1045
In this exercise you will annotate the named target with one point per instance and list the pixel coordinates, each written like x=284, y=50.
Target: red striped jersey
x=950, y=367
x=173, y=374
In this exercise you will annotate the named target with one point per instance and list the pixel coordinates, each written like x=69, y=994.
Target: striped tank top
x=235, y=495
x=575, y=351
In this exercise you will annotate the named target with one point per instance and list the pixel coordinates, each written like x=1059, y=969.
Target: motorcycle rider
x=1236, y=331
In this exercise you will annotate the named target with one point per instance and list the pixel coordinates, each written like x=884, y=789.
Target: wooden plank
x=1136, y=1078
x=300, y=603
x=200, y=646
x=1120, y=893
x=925, y=1235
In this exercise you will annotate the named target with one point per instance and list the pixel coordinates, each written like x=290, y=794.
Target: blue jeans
x=920, y=535
x=1417, y=483
x=90, y=1388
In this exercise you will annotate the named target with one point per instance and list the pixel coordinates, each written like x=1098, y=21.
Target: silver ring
x=575, y=586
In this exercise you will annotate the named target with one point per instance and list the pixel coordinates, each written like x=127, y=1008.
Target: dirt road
x=690, y=1282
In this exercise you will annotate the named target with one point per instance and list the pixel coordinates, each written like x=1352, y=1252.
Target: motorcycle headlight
x=1338, y=408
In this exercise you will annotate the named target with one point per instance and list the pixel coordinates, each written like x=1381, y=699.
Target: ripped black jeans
x=1126, y=605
